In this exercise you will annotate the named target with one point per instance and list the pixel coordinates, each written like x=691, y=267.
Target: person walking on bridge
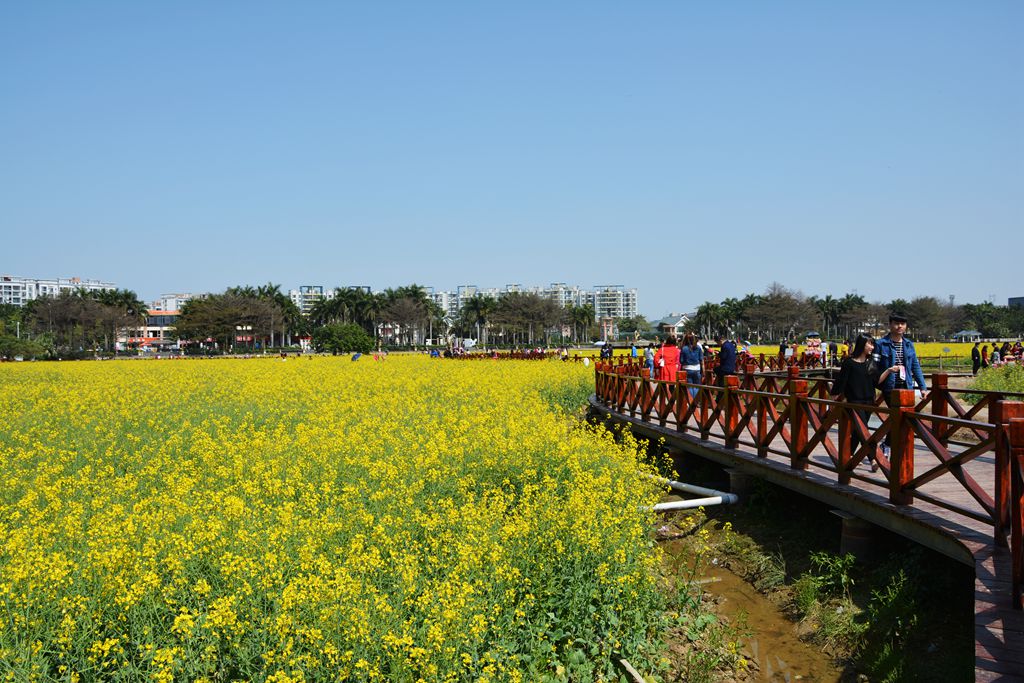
x=649, y=360
x=692, y=360
x=856, y=383
x=726, y=360
x=897, y=359
x=666, y=360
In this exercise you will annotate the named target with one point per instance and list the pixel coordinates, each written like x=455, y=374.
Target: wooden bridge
x=953, y=480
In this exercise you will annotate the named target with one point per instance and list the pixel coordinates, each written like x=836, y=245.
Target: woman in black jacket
x=856, y=383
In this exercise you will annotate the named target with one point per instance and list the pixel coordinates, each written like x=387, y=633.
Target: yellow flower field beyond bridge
x=321, y=519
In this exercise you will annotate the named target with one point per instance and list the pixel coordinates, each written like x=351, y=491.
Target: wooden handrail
x=757, y=407
x=1016, y=451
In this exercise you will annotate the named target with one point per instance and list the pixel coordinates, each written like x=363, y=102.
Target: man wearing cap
x=896, y=359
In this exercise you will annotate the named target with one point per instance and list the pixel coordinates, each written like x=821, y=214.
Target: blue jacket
x=915, y=376
x=727, y=358
x=688, y=356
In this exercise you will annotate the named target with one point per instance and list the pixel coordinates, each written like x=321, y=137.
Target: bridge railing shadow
x=793, y=416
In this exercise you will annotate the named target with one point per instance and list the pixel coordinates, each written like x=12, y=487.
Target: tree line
x=78, y=322
x=781, y=313
x=350, y=319
x=401, y=316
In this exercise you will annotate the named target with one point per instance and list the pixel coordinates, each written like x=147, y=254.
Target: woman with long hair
x=858, y=377
x=690, y=357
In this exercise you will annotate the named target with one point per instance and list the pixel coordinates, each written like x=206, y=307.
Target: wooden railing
x=791, y=415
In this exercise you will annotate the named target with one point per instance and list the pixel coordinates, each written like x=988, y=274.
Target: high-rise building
x=20, y=290
x=612, y=301
x=307, y=296
x=608, y=301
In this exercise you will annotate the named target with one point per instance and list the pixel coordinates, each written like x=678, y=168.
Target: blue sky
x=695, y=151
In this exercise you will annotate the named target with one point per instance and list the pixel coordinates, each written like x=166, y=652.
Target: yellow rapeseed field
x=316, y=519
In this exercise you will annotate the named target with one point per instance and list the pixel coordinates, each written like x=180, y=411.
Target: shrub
x=1009, y=378
x=342, y=338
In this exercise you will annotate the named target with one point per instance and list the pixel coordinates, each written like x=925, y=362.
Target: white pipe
x=695, y=503
x=713, y=497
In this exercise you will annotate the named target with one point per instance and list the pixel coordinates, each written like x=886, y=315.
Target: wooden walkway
x=944, y=510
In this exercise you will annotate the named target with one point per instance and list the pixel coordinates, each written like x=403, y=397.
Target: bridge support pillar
x=858, y=535
x=740, y=482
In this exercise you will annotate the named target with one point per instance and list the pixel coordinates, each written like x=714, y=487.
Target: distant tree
x=84, y=320
x=710, y=319
x=342, y=338
x=829, y=310
x=929, y=318
x=782, y=313
x=222, y=317
x=526, y=318
x=13, y=347
x=408, y=309
x=898, y=305
x=634, y=324
x=11, y=319
x=581, y=318
x=476, y=312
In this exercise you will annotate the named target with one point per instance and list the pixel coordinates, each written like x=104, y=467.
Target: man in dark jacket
x=975, y=359
x=726, y=360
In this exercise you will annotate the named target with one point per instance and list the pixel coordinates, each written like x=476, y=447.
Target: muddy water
x=773, y=647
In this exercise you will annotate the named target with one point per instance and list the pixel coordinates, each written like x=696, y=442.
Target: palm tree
x=829, y=309
x=731, y=310
x=709, y=318
x=476, y=311
x=582, y=318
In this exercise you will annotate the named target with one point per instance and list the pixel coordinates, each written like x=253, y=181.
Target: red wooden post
x=702, y=408
x=748, y=376
x=682, y=394
x=732, y=400
x=902, y=447
x=1000, y=414
x=940, y=402
x=1016, y=434
x=620, y=394
x=797, y=421
x=762, y=427
x=685, y=408
x=643, y=390
x=845, y=444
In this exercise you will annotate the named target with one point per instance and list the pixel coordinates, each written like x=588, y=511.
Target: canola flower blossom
x=317, y=520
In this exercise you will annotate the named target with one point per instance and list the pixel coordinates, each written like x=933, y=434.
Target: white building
x=608, y=301
x=307, y=296
x=171, y=302
x=157, y=332
x=612, y=301
x=20, y=290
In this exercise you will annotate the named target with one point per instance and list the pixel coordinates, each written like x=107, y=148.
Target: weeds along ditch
x=904, y=613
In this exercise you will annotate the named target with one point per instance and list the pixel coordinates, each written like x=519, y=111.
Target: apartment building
x=608, y=301
x=20, y=290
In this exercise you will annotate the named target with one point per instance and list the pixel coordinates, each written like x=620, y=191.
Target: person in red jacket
x=666, y=360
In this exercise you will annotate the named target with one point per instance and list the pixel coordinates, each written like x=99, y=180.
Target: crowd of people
x=999, y=355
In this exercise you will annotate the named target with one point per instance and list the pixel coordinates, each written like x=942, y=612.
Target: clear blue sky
x=695, y=151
